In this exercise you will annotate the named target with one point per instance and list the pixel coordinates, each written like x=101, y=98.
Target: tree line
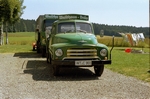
x=111, y=30
x=26, y=25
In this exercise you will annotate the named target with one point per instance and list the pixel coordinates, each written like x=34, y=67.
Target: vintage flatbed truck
x=72, y=42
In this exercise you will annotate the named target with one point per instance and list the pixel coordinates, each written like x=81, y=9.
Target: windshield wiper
x=82, y=31
x=68, y=31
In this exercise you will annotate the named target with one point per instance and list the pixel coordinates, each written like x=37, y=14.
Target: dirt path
x=27, y=76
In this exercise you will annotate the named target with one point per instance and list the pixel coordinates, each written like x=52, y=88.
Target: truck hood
x=76, y=38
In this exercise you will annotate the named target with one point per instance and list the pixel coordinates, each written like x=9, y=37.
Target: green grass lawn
x=22, y=38
x=18, y=42
x=15, y=48
x=135, y=65
x=131, y=64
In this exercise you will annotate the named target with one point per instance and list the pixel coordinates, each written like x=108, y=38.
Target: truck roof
x=65, y=17
x=48, y=16
x=59, y=21
x=73, y=17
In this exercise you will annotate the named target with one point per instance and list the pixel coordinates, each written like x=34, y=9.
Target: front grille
x=81, y=53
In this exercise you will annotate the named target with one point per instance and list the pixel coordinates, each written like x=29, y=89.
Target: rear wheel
x=33, y=48
x=38, y=47
x=48, y=58
x=99, y=70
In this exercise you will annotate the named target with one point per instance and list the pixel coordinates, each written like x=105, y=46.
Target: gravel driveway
x=28, y=76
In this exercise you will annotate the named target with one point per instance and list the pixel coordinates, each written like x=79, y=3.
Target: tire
x=38, y=48
x=55, y=70
x=48, y=58
x=33, y=48
x=38, y=43
x=43, y=51
x=99, y=70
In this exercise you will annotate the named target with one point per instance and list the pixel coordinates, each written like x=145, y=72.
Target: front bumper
x=72, y=62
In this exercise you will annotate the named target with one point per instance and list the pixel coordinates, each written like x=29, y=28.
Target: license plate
x=83, y=63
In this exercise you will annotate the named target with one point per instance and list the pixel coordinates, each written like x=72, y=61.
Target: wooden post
x=1, y=34
x=6, y=34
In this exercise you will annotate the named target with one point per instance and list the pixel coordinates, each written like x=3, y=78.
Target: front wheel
x=99, y=70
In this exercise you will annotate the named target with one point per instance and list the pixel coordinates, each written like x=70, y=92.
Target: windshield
x=48, y=22
x=83, y=27
x=69, y=27
x=66, y=27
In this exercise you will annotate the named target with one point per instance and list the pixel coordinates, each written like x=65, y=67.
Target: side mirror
x=48, y=38
x=101, y=33
x=51, y=31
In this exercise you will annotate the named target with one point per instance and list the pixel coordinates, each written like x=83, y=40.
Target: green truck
x=43, y=29
x=72, y=43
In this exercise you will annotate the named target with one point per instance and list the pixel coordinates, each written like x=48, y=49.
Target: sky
x=110, y=12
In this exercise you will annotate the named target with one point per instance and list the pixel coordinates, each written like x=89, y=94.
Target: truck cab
x=73, y=43
x=43, y=27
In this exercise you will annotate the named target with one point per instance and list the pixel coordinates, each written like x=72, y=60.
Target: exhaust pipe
x=112, y=46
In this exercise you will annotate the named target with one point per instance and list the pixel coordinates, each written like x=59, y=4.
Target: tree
x=24, y=27
x=10, y=12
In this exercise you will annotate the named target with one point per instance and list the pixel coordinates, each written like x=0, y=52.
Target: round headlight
x=103, y=52
x=59, y=52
